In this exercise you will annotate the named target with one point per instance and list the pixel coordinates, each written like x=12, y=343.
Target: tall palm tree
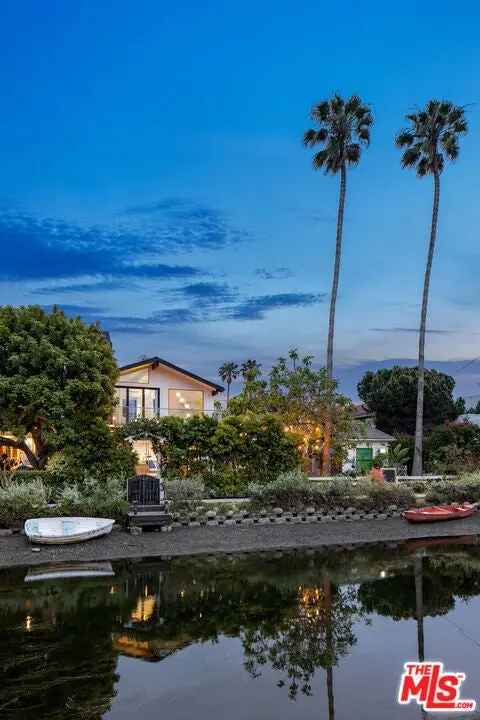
x=228, y=372
x=431, y=138
x=342, y=127
x=250, y=369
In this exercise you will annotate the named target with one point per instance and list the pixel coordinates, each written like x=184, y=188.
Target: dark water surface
x=268, y=636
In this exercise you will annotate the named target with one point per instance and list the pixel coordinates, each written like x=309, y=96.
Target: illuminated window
x=185, y=403
x=136, y=376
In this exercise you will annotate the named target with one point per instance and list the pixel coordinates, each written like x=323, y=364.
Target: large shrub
x=227, y=454
x=19, y=501
x=294, y=491
x=91, y=498
x=185, y=494
x=465, y=489
x=453, y=448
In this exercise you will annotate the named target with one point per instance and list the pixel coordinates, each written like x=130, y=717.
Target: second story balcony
x=126, y=413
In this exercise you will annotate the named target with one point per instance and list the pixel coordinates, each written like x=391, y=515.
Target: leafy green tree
x=227, y=454
x=342, y=127
x=57, y=378
x=228, y=372
x=431, y=139
x=306, y=401
x=453, y=448
x=391, y=393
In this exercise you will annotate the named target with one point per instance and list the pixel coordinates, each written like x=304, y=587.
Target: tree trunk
x=326, y=459
x=336, y=270
x=228, y=392
x=417, y=468
x=21, y=445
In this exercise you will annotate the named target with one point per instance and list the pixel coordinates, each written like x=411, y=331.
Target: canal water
x=268, y=636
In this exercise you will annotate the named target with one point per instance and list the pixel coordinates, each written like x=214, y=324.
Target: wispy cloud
x=201, y=308
x=204, y=294
x=44, y=248
x=93, y=287
x=280, y=273
x=184, y=224
x=254, y=308
x=411, y=330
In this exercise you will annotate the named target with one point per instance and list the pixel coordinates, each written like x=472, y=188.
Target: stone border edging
x=277, y=516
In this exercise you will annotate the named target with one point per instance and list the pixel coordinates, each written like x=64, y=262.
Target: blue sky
x=153, y=178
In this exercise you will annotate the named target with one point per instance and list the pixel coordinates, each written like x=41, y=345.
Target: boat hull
x=439, y=513
x=63, y=531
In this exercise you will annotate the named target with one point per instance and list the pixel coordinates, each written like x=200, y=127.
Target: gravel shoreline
x=16, y=551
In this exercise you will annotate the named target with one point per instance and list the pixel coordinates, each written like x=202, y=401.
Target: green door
x=364, y=460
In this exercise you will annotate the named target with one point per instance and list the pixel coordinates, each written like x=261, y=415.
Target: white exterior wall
x=376, y=445
x=166, y=379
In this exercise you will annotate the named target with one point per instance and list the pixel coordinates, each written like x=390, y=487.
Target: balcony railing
x=126, y=413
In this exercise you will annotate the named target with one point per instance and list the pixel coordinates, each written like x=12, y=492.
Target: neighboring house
x=369, y=441
x=472, y=418
x=152, y=388
x=155, y=387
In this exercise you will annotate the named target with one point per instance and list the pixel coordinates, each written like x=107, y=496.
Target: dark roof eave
x=155, y=361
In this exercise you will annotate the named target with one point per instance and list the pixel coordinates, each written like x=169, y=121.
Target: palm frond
x=423, y=167
x=320, y=159
x=353, y=154
x=314, y=137
x=343, y=126
x=320, y=111
x=411, y=156
x=450, y=145
x=432, y=137
x=405, y=138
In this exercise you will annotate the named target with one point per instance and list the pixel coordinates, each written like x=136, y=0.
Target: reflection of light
x=145, y=608
x=187, y=405
x=311, y=601
x=178, y=394
x=182, y=593
x=28, y=623
x=383, y=574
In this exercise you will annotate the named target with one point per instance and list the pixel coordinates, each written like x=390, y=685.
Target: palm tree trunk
x=417, y=468
x=326, y=459
x=228, y=392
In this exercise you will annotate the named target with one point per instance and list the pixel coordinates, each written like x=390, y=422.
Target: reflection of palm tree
x=419, y=605
x=327, y=589
x=418, y=573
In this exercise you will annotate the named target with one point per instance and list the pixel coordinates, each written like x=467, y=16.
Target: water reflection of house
x=150, y=650
x=139, y=636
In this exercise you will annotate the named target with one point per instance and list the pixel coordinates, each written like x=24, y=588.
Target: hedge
x=294, y=491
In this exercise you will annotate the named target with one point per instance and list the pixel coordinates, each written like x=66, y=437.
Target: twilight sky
x=153, y=178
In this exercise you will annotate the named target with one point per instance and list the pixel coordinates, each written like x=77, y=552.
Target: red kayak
x=439, y=512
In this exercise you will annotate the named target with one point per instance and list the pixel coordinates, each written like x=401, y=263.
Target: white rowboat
x=62, y=530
